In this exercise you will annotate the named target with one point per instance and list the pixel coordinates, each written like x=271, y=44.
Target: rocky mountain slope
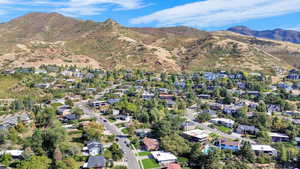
x=51, y=38
x=276, y=34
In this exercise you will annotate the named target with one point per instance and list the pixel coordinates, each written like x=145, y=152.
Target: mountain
x=276, y=34
x=51, y=38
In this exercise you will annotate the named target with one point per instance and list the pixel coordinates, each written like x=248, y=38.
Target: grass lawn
x=150, y=163
x=7, y=82
x=112, y=120
x=125, y=130
x=144, y=153
x=224, y=129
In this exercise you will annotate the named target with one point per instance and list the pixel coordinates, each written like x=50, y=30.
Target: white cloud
x=296, y=28
x=75, y=7
x=214, y=13
x=94, y=7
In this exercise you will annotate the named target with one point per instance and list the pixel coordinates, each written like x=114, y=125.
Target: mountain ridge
x=275, y=34
x=51, y=38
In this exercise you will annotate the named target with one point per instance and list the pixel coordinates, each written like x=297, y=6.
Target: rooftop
x=200, y=134
x=163, y=156
x=262, y=148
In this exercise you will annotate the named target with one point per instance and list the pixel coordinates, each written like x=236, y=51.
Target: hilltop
x=276, y=34
x=51, y=38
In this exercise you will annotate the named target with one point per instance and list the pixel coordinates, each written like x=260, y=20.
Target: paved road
x=123, y=141
x=191, y=114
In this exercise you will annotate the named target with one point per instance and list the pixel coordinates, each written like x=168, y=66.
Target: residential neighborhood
x=87, y=118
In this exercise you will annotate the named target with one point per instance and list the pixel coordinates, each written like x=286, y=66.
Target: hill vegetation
x=51, y=38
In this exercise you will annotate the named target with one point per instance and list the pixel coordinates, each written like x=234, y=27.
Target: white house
x=163, y=157
x=222, y=121
x=13, y=153
x=264, y=149
x=196, y=135
x=279, y=137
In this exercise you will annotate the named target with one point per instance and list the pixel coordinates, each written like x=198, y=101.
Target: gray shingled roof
x=96, y=161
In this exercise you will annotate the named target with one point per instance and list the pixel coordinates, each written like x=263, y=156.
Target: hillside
x=51, y=38
x=276, y=34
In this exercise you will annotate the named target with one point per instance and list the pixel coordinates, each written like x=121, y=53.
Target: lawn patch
x=125, y=130
x=224, y=129
x=144, y=153
x=150, y=163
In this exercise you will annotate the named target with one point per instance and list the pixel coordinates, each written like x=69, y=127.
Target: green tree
x=117, y=154
x=119, y=167
x=94, y=131
x=247, y=153
x=204, y=117
x=261, y=107
x=5, y=159
x=175, y=144
x=68, y=163
x=35, y=162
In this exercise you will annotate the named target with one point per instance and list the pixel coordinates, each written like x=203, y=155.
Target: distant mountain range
x=51, y=38
x=276, y=34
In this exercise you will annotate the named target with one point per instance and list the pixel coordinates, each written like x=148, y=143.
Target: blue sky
x=202, y=14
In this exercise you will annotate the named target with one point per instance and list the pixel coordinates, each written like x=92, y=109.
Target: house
x=291, y=113
x=95, y=162
x=297, y=85
x=142, y=132
x=189, y=125
x=94, y=148
x=78, y=75
x=70, y=80
x=8, y=121
x=43, y=85
x=163, y=158
x=293, y=76
x=273, y=108
x=113, y=101
x=204, y=96
x=296, y=121
x=170, y=103
x=40, y=71
x=163, y=90
x=150, y=144
x=166, y=96
x=115, y=112
x=173, y=166
x=279, y=137
x=215, y=106
x=297, y=139
x=231, y=109
x=91, y=90
x=210, y=76
x=147, y=95
x=229, y=145
x=89, y=76
x=97, y=104
x=70, y=117
x=241, y=85
x=196, y=135
x=123, y=117
x=236, y=76
x=285, y=86
x=212, y=113
x=267, y=149
x=13, y=153
x=58, y=101
x=223, y=121
x=243, y=129
x=63, y=110
x=253, y=93
x=180, y=84
x=66, y=73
